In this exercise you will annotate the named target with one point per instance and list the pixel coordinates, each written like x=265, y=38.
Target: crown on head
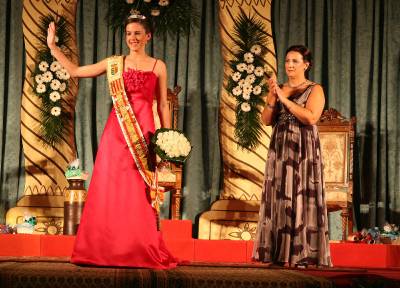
x=135, y=14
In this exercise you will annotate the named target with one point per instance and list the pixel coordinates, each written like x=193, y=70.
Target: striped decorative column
x=234, y=216
x=44, y=165
x=243, y=169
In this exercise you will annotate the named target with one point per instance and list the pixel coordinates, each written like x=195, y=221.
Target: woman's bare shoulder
x=159, y=67
x=316, y=86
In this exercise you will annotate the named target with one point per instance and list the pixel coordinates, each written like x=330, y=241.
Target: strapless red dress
x=118, y=225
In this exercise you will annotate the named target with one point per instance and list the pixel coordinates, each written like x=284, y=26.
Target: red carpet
x=178, y=237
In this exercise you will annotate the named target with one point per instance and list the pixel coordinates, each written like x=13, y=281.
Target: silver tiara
x=135, y=14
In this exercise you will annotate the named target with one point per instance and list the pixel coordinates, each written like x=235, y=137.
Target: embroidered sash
x=130, y=128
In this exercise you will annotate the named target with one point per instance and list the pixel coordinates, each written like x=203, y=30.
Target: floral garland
x=167, y=16
x=171, y=145
x=50, y=84
x=247, y=80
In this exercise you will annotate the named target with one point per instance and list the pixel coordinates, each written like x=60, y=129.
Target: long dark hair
x=304, y=51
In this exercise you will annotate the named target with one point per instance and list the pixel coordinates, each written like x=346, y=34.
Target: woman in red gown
x=118, y=225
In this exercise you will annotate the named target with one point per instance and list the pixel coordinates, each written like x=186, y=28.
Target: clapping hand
x=51, y=35
x=274, y=87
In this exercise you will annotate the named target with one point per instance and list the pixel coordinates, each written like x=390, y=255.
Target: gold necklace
x=297, y=86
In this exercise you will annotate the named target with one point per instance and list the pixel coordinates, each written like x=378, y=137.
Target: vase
x=74, y=201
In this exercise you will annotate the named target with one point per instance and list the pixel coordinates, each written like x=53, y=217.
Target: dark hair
x=304, y=51
x=144, y=22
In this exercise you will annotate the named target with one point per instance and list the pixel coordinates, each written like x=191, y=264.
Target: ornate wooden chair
x=171, y=178
x=337, y=142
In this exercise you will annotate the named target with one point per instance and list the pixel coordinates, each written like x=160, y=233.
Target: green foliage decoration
x=50, y=83
x=167, y=16
x=247, y=81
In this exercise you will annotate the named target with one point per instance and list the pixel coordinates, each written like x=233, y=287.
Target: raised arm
x=270, y=108
x=162, y=100
x=74, y=70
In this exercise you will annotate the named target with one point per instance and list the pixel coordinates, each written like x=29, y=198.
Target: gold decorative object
x=337, y=142
x=74, y=201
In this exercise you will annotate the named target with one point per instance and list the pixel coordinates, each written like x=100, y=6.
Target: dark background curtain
x=11, y=80
x=356, y=50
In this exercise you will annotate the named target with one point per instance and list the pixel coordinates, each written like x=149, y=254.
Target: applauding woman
x=293, y=224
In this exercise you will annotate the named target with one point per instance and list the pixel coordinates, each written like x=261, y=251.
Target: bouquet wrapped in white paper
x=171, y=145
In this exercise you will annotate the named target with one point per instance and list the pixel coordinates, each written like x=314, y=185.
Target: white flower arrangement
x=40, y=88
x=237, y=91
x=250, y=78
x=248, y=57
x=245, y=107
x=241, y=67
x=39, y=79
x=250, y=68
x=247, y=87
x=63, y=86
x=55, y=66
x=163, y=2
x=247, y=81
x=246, y=95
x=43, y=66
x=259, y=71
x=50, y=81
x=55, y=84
x=171, y=145
x=55, y=96
x=236, y=76
x=257, y=90
x=55, y=111
x=256, y=49
x=47, y=76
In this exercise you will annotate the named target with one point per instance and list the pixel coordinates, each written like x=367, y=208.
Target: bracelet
x=270, y=106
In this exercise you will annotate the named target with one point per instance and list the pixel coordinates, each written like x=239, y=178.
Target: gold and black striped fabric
x=243, y=169
x=45, y=165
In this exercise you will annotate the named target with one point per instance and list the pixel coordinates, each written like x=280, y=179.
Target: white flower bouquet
x=50, y=83
x=247, y=80
x=171, y=145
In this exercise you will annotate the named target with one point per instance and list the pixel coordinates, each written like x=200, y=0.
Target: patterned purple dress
x=293, y=224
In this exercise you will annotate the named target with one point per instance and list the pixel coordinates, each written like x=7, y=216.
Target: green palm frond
x=249, y=31
x=180, y=16
x=63, y=32
x=247, y=128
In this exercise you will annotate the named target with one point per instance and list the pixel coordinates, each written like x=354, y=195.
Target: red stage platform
x=178, y=237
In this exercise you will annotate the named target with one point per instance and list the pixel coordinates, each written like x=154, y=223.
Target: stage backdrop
x=357, y=56
x=193, y=64
x=357, y=59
